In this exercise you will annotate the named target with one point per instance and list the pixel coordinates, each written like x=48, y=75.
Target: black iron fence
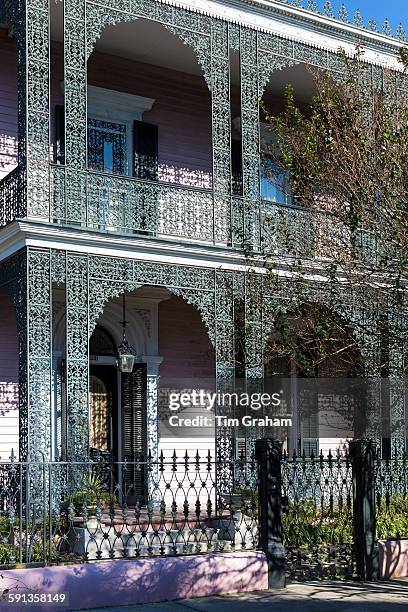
x=314, y=517
x=85, y=511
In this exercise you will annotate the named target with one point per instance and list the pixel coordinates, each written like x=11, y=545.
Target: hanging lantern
x=126, y=354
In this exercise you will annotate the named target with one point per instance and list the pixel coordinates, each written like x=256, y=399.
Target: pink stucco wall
x=8, y=379
x=142, y=580
x=393, y=558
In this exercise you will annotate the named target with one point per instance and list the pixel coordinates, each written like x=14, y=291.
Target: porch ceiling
x=149, y=42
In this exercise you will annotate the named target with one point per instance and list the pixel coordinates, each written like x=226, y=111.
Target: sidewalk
x=311, y=597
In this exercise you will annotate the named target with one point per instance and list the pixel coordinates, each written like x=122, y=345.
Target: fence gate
x=318, y=517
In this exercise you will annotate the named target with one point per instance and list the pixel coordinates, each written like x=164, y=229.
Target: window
x=107, y=147
x=112, y=116
x=274, y=181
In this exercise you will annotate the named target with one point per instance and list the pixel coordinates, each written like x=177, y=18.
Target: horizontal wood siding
x=8, y=104
x=8, y=379
x=187, y=353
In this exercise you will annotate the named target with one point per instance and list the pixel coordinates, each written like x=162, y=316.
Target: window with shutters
x=134, y=411
x=119, y=141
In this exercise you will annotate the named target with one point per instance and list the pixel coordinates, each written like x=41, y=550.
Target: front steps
x=100, y=541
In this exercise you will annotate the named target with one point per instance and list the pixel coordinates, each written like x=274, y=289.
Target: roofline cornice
x=328, y=33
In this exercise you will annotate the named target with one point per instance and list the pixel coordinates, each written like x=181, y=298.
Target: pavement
x=327, y=596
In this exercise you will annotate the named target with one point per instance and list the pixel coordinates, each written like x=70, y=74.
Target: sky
x=395, y=10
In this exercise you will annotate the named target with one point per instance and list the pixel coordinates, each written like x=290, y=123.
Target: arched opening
x=153, y=81
x=312, y=355
x=296, y=221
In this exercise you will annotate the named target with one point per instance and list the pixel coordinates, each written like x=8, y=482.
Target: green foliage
x=91, y=495
x=306, y=524
x=392, y=517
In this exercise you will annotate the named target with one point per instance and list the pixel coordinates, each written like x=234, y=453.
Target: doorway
x=103, y=413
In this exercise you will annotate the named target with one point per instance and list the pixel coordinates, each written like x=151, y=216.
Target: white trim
x=116, y=105
x=20, y=234
x=300, y=25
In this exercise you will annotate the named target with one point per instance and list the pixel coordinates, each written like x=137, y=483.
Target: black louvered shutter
x=59, y=134
x=236, y=167
x=146, y=158
x=134, y=409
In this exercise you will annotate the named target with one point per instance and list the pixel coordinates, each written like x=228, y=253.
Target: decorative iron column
x=250, y=137
x=254, y=345
x=221, y=130
x=269, y=456
x=77, y=357
x=75, y=93
x=225, y=372
x=30, y=21
x=26, y=278
x=363, y=456
x=397, y=391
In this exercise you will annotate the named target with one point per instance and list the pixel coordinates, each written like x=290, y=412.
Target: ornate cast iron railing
x=12, y=197
x=318, y=518
x=59, y=512
x=391, y=492
x=151, y=208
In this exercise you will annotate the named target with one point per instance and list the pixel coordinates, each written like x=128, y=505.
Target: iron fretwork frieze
x=91, y=281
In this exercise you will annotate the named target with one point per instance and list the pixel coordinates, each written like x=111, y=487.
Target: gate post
x=363, y=455
x=268, y=454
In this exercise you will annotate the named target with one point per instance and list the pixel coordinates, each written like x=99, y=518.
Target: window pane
x=106, y=146
x=274, y=183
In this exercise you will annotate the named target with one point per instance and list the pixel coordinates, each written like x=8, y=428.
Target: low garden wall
x=393, y=558
x=106, y=583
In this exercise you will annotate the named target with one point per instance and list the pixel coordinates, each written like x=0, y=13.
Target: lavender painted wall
x=8, y=379
x=188, y=353
x=183, y=341
x=8, y=104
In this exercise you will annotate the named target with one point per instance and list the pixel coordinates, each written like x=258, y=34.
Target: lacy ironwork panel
x=124, y=204
x=250, y=136
x=39, y=351
x=12, y=196
x=110, y=277
x=192, y=28
x=77, y=359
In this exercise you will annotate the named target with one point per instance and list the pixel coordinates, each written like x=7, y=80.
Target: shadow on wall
x=8, y=398
x=393, y=558
x=143, y=581
x=8, y=154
